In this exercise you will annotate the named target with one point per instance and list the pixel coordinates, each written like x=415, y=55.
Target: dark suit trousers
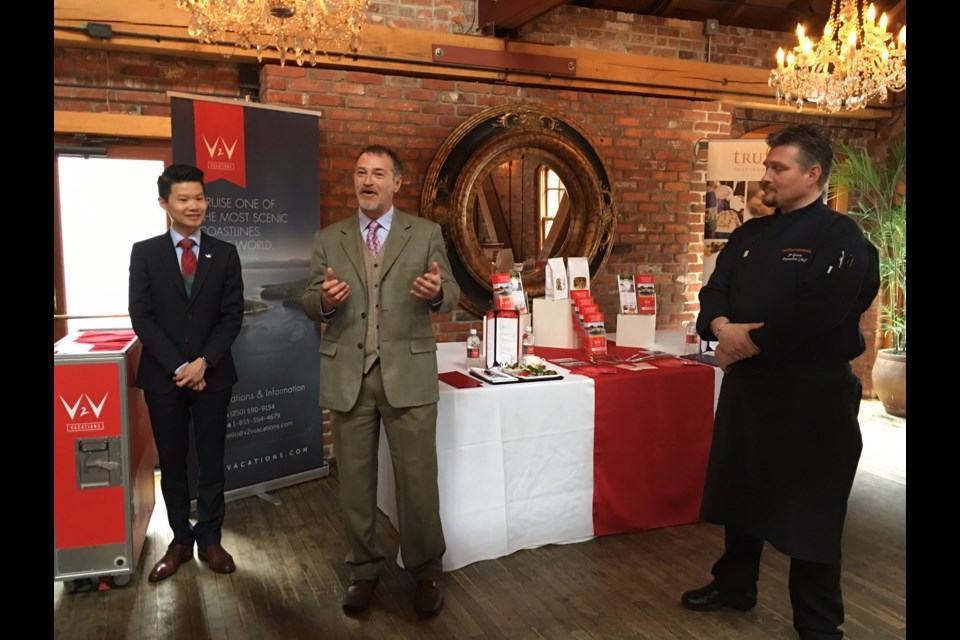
x=170, y=415
x=814, y=586
x=412, y=436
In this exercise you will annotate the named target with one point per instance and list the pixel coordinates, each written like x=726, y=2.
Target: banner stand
x=261, y=166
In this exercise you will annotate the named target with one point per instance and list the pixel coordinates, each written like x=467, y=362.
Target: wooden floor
x=291, y=574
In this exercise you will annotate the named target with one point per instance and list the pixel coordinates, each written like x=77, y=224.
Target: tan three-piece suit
x=378, y=360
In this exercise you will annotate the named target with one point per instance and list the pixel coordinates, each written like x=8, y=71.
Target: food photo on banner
x=261, y=173
x=733, y=193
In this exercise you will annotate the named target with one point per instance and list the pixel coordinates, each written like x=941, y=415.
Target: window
x=552, y=193
x=106, y=205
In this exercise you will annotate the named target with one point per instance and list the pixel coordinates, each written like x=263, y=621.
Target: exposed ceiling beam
x=504, y=15
x=793, y=14
x=732, y=12
x=159, y=28
x=661, y=8
x=113, y=124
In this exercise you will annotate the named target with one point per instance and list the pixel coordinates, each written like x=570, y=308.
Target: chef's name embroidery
x=796, y=255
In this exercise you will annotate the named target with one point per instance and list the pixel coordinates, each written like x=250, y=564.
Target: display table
x=652, y=437
x=533, y=463
x=515, y=464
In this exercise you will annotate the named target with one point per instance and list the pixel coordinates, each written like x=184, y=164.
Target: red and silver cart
x=103, y=481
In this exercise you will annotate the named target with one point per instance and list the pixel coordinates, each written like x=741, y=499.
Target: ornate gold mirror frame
x=493, y=139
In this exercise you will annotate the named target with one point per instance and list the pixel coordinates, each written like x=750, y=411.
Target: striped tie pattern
x=373, y=242
x=188, y=263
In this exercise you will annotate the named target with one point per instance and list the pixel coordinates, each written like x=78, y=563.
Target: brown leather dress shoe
x=429, y=598
x=217, y=558
x=358, y=595
x=176, y=555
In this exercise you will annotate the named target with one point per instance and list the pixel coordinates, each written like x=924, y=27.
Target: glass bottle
x=691, y=342
x=528, y=342
x=473, y=350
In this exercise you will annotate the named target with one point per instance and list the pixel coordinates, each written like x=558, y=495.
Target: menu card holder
x=502, y=338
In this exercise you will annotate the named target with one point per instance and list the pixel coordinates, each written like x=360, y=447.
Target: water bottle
x=473, y=350
x=528, y=342
x=691, y=343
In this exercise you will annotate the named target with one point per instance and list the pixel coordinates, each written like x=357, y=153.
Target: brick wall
x=653, y=36
x=646, y=144
x=448, y=16
x=99, y=81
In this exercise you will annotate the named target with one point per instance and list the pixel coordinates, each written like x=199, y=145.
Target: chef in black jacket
x=784, y=303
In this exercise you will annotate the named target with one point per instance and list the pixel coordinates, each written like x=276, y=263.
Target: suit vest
x=371, y=271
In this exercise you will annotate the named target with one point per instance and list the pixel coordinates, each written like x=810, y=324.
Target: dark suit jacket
x=408, y=350
x=174, y=329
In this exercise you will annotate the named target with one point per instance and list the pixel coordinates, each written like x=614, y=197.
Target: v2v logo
x=84, y=409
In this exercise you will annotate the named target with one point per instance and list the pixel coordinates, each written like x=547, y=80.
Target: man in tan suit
x=376, y=277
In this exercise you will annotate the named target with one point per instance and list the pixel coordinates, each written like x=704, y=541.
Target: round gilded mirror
x=518, y=184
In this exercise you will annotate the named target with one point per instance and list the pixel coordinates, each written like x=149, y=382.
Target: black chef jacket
x=786, y=439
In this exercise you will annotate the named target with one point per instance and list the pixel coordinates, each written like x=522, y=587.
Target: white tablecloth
x=515, y=464
x=515, y=461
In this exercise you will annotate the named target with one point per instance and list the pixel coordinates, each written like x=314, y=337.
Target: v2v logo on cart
x=84, y=409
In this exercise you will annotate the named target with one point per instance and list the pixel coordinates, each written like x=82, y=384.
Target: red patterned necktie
x=188, y=263
x=373, y=242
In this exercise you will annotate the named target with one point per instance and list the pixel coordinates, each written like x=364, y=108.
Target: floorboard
x=291, y=576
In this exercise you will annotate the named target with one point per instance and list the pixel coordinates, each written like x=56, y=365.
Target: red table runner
x=651, y=442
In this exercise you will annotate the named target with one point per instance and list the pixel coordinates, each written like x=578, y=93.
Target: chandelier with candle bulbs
x=298, y=28
x=855, y=61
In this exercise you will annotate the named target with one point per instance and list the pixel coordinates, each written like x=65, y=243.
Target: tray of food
x=533, y=370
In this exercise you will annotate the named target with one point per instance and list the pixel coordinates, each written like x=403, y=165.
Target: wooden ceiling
x=772, y=15
x=158, y=27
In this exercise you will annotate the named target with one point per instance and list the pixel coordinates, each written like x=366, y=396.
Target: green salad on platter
x=532, y=367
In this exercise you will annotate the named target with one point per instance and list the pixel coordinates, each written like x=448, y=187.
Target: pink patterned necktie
x=373, y=242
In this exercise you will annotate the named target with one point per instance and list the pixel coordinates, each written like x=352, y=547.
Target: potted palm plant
x=877, y=191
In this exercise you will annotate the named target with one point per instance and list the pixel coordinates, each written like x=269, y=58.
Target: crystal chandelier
x=855, y=61
x=300, y=28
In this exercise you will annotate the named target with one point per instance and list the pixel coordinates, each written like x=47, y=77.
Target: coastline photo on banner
x=261, y=167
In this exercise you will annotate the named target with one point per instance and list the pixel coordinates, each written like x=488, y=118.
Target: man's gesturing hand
x=427, y=286
x=332, y=292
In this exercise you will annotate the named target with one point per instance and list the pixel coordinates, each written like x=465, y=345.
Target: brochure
x=595, y=333
x=508, y=294
x=502, y=292
x=646, y=295
x=628, y=295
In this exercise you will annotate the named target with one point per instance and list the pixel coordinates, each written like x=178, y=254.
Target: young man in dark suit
x=186, y=307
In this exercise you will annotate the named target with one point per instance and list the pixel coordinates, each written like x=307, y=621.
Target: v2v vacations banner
x=261, y=173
